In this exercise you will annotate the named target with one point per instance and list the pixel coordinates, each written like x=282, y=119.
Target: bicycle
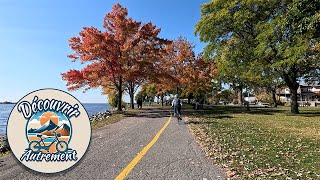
x=36, y=146
x=177, y=114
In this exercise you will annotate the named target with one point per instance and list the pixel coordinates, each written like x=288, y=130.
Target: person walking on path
x=176, y=104
x=139, y=103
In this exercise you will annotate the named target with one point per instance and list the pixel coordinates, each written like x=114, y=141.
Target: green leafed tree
x=279, y=35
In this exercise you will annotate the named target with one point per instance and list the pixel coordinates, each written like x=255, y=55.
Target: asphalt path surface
x=175, y=155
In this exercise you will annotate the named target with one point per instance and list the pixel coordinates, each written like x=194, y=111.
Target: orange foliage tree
x=119, y=57
x=198, y=77
x=185, y=73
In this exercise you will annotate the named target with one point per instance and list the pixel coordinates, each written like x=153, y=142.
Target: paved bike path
x=174, y=156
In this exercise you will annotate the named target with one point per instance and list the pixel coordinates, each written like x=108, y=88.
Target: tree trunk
x=161, y=99
x=291, y=81
x=235, y=97
x=131, y=92
x=274, y=99
x=189, y=98
x=131, y=100
x=120, y=94
x=294, y=100
x=240, y=99
x=240, y=96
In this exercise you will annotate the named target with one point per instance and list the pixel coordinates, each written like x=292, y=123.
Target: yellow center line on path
x=135, y=161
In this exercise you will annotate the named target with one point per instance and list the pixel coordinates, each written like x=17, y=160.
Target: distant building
x=250, y=99
x=305, y=93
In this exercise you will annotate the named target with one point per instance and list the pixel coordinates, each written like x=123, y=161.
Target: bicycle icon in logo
x=61, y=146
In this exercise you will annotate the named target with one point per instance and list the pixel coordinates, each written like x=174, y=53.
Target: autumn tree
x=198, y=77
x=118, y=57
x=179, y=55
x=185, y=72
x=146, y=55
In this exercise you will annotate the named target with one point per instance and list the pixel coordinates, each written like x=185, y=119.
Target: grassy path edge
x=207, y=145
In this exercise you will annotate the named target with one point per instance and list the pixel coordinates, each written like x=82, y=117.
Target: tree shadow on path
x=221, y=112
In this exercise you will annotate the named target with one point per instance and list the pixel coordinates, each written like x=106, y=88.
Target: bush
x=264, y=97
x=113, y=100
x=280, y=103
x=287, y=104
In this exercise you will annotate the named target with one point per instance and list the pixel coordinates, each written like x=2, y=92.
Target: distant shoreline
x=6, y=102
x=91, y=108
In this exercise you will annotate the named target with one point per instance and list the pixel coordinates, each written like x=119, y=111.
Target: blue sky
x=34, y=38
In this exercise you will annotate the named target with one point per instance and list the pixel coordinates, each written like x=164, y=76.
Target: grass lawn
x=264, y=143
x=112, y=119
x=115, y=117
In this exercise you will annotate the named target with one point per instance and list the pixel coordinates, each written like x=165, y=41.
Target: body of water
x=5, y=109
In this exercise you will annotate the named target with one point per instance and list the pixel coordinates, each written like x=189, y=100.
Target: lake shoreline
x=91, y=109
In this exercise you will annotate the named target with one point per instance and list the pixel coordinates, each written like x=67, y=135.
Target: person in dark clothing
x=139, y=103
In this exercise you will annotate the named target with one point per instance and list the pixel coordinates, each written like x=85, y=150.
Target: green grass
x=112, y=119
x=265, y=143
x=116, y=116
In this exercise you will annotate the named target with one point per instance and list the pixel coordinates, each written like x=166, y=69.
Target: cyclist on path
x=176, y=104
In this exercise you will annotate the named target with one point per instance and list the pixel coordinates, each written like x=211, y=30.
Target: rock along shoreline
x=100, y=116
x=4, y=146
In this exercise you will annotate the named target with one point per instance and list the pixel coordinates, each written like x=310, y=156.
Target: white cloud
x=34, y=121
x=64, y=122
x=54, y=116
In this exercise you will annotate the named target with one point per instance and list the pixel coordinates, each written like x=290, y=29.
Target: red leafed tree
x=145, y=56
x=177, y=56
x=120, y=56
x=186, y=73
x=198, y=76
